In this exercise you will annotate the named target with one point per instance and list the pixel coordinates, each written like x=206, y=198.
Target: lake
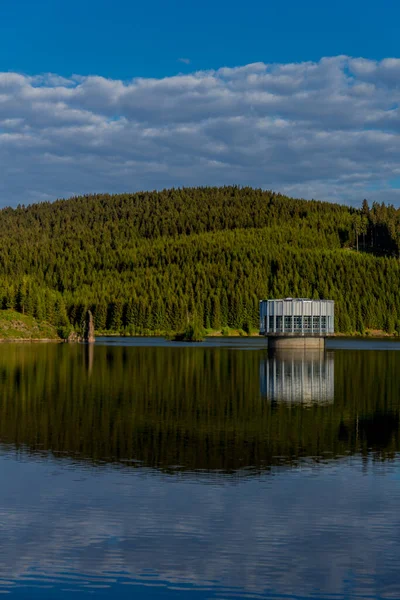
x=140, y=468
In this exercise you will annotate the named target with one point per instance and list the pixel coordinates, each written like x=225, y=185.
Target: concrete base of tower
x=294, y=342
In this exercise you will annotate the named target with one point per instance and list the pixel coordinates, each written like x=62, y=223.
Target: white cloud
x=329, y=129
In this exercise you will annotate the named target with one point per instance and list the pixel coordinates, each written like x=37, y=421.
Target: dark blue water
x=141, y=469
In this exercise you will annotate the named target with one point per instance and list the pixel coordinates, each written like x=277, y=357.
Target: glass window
x=316, y=323
x=288, y=323
x=271, y=323
x=297, y=324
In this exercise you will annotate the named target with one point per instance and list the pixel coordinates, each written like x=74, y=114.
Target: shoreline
x=235, y=334
x=33, y=340
x=376, y=334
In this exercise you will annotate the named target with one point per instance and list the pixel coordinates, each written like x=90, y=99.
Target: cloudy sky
x=141, y=98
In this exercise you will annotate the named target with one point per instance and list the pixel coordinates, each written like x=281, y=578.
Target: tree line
x=153, y=261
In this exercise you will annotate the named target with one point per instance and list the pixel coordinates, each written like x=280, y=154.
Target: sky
x=100, y=96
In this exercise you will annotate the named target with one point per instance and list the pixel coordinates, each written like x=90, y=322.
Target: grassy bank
x=15, y=326
x=179, y=335
x=225, y=332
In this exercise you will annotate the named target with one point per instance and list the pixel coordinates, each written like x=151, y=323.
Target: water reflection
x=173, y=470
x=94, y=532
x=198, y=409
x=298, y=376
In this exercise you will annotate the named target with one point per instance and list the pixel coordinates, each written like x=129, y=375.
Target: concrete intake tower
x=297, y=322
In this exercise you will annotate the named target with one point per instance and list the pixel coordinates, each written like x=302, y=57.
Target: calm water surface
x=146, y=469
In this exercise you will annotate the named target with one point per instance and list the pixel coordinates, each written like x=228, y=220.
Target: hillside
x=149, y=261
x=15, y=326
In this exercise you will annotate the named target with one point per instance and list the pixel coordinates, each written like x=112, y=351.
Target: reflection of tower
x=298, y=376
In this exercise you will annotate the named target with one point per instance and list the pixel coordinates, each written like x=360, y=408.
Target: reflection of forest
x=196, y=408
x=298, y=376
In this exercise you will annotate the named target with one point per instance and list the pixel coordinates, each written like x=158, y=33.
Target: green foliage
x=64, y=331
x=143, y=262
x=193, y=332
x=15, y=326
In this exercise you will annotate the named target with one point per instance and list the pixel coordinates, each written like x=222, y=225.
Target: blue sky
x=125, y=39
x=298, y=97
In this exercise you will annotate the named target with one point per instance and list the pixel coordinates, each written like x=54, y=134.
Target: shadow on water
x=198, y=409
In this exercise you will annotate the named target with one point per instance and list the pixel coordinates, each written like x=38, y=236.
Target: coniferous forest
x=153, y=261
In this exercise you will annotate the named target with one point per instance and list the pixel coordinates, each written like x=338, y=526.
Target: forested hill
x=149, y=261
